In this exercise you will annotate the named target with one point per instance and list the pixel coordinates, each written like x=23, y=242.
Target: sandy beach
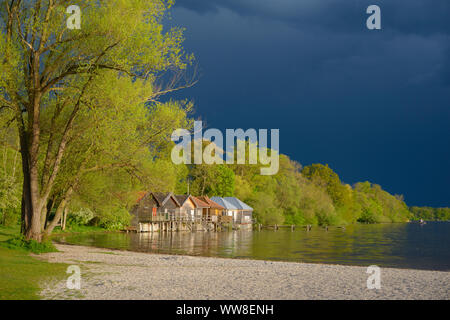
x=110, y=274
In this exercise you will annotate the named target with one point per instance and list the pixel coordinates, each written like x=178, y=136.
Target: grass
x=20, y=273
x=78, y=229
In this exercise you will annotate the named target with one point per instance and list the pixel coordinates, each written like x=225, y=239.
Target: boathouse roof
x=238, y=203
x=224, y=203
x=162, y=198
x=212, y=204
x=199, y=203
x=182, y=198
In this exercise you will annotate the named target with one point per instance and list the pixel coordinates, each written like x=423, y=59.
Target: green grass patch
x=20, y=273
x=79, y=229
x=9, y=232
x=19, y=243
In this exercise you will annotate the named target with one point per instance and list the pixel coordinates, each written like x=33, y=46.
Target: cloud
x=412, y=16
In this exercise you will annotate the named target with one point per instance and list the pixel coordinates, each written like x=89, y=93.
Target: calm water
x=405, y=245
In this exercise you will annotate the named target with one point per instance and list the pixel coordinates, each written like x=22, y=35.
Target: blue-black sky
x=373, y=104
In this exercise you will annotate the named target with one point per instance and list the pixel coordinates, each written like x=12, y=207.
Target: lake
x=399, y=245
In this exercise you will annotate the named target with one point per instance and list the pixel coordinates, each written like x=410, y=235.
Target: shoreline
x=237, y=258
x=120, y=274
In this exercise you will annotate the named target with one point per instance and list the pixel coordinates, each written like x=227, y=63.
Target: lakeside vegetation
x=431, y=214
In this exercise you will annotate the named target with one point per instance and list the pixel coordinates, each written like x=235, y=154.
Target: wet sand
x=111, y=274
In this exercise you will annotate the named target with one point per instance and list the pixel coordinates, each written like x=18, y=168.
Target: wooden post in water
x=276, y=227
x=292, y=227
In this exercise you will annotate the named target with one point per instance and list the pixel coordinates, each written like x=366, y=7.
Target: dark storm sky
x=374, y=105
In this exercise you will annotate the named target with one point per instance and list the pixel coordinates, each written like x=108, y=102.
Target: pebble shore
x=117, y=275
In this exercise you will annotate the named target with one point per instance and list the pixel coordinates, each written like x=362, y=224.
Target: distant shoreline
x=115, y=274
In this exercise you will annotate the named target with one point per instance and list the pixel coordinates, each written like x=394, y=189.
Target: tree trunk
x=59, y=211
x=63, y=224
x=31, y=218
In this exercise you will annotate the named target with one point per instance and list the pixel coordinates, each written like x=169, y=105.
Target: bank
x=112, y=274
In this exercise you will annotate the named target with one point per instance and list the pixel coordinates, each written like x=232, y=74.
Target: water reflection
x=393, y=245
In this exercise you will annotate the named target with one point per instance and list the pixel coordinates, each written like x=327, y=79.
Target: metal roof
x=238, y=203
x=224, y=203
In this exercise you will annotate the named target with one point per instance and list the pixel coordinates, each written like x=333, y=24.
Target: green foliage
x=10, y=216
x=100, y=129
x=265, y=208
x=379, y=206
x=323, y=176
x=114, y=219
x=314, y=195
x=224, y=181
x=10, y=175
x=80, y=217
x=19, y=243
x=430, y=214
x=212, y=180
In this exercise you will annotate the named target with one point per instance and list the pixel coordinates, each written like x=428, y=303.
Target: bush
x=369, y=217
x=80, y=217
x=29, y=245
x=114, y=219
x=294, y=216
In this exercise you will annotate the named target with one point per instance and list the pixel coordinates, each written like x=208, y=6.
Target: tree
x=225, y=181
x=212, y=180
x=322, y=175
x=378, y=205
x=51, y=78
x=9, y=174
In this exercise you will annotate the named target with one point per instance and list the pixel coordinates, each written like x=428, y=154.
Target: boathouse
x=230, y=211
x=213, y=211
x=241, y=212
x=188, y=209
x=153, y=209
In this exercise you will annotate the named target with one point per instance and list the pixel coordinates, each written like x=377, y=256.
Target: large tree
x=59, y=83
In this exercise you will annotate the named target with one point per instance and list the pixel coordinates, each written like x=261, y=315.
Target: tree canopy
x=83, y=100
